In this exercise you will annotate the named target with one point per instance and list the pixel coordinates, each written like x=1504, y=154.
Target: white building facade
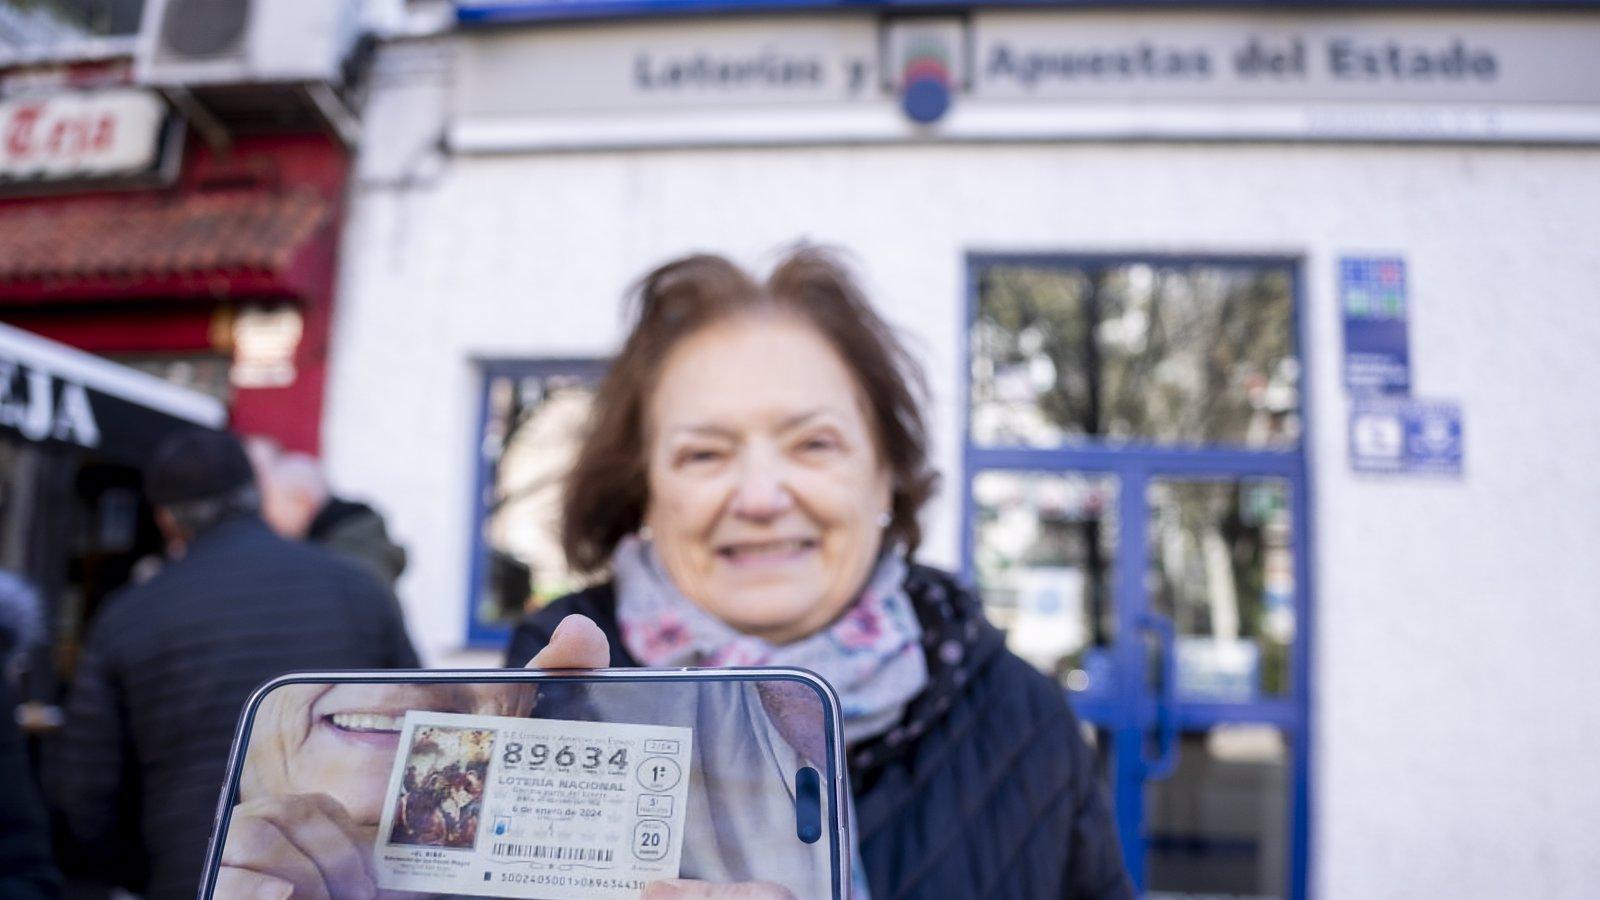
x=1259, y=343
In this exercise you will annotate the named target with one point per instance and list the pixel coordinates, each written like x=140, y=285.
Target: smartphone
x=557, y=785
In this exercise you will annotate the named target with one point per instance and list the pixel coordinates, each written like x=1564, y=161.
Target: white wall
x=1455, y=618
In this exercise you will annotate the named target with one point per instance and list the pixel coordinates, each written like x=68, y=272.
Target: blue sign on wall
x=1377, y=352
x=1401, y=434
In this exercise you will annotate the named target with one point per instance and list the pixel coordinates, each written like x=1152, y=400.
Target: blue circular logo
x=926, y=100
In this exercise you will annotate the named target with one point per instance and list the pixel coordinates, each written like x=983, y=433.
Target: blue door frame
x=1133, y=712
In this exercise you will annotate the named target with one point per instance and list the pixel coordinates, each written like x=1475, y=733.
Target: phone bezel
x=838, y=785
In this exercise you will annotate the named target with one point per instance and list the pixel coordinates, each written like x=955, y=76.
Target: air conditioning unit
x=200, y=43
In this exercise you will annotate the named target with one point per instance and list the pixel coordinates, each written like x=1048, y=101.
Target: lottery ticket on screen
x=539, y=808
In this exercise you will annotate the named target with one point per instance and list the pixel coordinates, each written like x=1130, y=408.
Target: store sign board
x=1400, y=435
x=81, y=136
x=61, y=409
x=1377, y=352
x=1385, y=58
x=55, y=395
x=41, y=407
x=654, y=68
x=1035, y=75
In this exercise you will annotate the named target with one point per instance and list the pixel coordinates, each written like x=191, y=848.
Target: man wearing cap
x=168, y=665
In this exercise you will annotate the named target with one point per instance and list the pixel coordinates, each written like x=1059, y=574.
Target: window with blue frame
x=531, y=419
x=1129, y=352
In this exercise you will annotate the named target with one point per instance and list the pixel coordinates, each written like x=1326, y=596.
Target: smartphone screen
x=534, y=785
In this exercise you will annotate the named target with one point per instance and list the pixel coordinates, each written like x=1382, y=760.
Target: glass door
x=1220, y=577
x=1135, y=506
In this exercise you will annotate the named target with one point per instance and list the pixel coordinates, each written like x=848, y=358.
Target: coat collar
x=958, y=642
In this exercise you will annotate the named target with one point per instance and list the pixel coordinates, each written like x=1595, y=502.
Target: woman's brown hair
x=608, y=487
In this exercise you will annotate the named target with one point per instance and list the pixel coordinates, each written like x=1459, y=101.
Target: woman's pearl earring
x=884, y=519
x=645, y=533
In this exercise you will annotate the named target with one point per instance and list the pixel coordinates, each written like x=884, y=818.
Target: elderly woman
x=750, y=482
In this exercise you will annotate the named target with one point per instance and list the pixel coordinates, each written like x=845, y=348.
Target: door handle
x=1166, y=724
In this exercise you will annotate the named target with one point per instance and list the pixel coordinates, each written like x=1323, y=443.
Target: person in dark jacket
x=750, y=483
x=300, y=506
x=168, y=665
x=26, y=872
x=357, y=530
x=21, y=622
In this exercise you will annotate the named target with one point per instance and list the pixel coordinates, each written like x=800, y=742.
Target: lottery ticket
x=497, y=806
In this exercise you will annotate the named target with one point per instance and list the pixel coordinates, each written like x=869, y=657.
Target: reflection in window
x=1222, y=568
x=36, y=22
x=531, y=434
x=1165, y=353
x=1219, y=826
x=1044, y=550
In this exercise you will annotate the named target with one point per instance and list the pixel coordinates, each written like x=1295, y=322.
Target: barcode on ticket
x=562, y=854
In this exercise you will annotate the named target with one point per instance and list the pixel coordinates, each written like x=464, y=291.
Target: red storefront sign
x=77, y=136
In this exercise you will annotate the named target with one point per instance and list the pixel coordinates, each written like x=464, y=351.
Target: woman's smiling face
x=341, y=739
x=767, y=490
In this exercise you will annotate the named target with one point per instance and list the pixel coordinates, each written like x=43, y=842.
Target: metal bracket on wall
x=337, y=116
x=206, y=124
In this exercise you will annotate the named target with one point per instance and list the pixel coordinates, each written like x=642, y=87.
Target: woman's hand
x=682, y=889
x=577, y=643
x=304, y=846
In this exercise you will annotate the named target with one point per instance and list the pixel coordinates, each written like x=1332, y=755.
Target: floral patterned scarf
x=872, y=655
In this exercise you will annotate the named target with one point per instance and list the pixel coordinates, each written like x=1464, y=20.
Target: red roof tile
x=222, y=231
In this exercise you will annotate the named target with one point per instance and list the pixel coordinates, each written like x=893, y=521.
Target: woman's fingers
x=361, y=840
x=306, y=840
x=321, y=829
x=684, y=889
x=257, y=845
x=243, y=884
x=577, y=643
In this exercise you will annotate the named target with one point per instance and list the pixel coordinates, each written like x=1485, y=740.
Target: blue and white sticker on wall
x=1406, y=435
x=1390, y=431
x=927, y=65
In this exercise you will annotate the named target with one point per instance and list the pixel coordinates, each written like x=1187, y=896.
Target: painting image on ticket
x=440, y=798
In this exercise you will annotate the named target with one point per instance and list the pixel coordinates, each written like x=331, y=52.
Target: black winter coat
x=986, y=788
x=167, y=668
x=26, y=872
x=357, y=531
